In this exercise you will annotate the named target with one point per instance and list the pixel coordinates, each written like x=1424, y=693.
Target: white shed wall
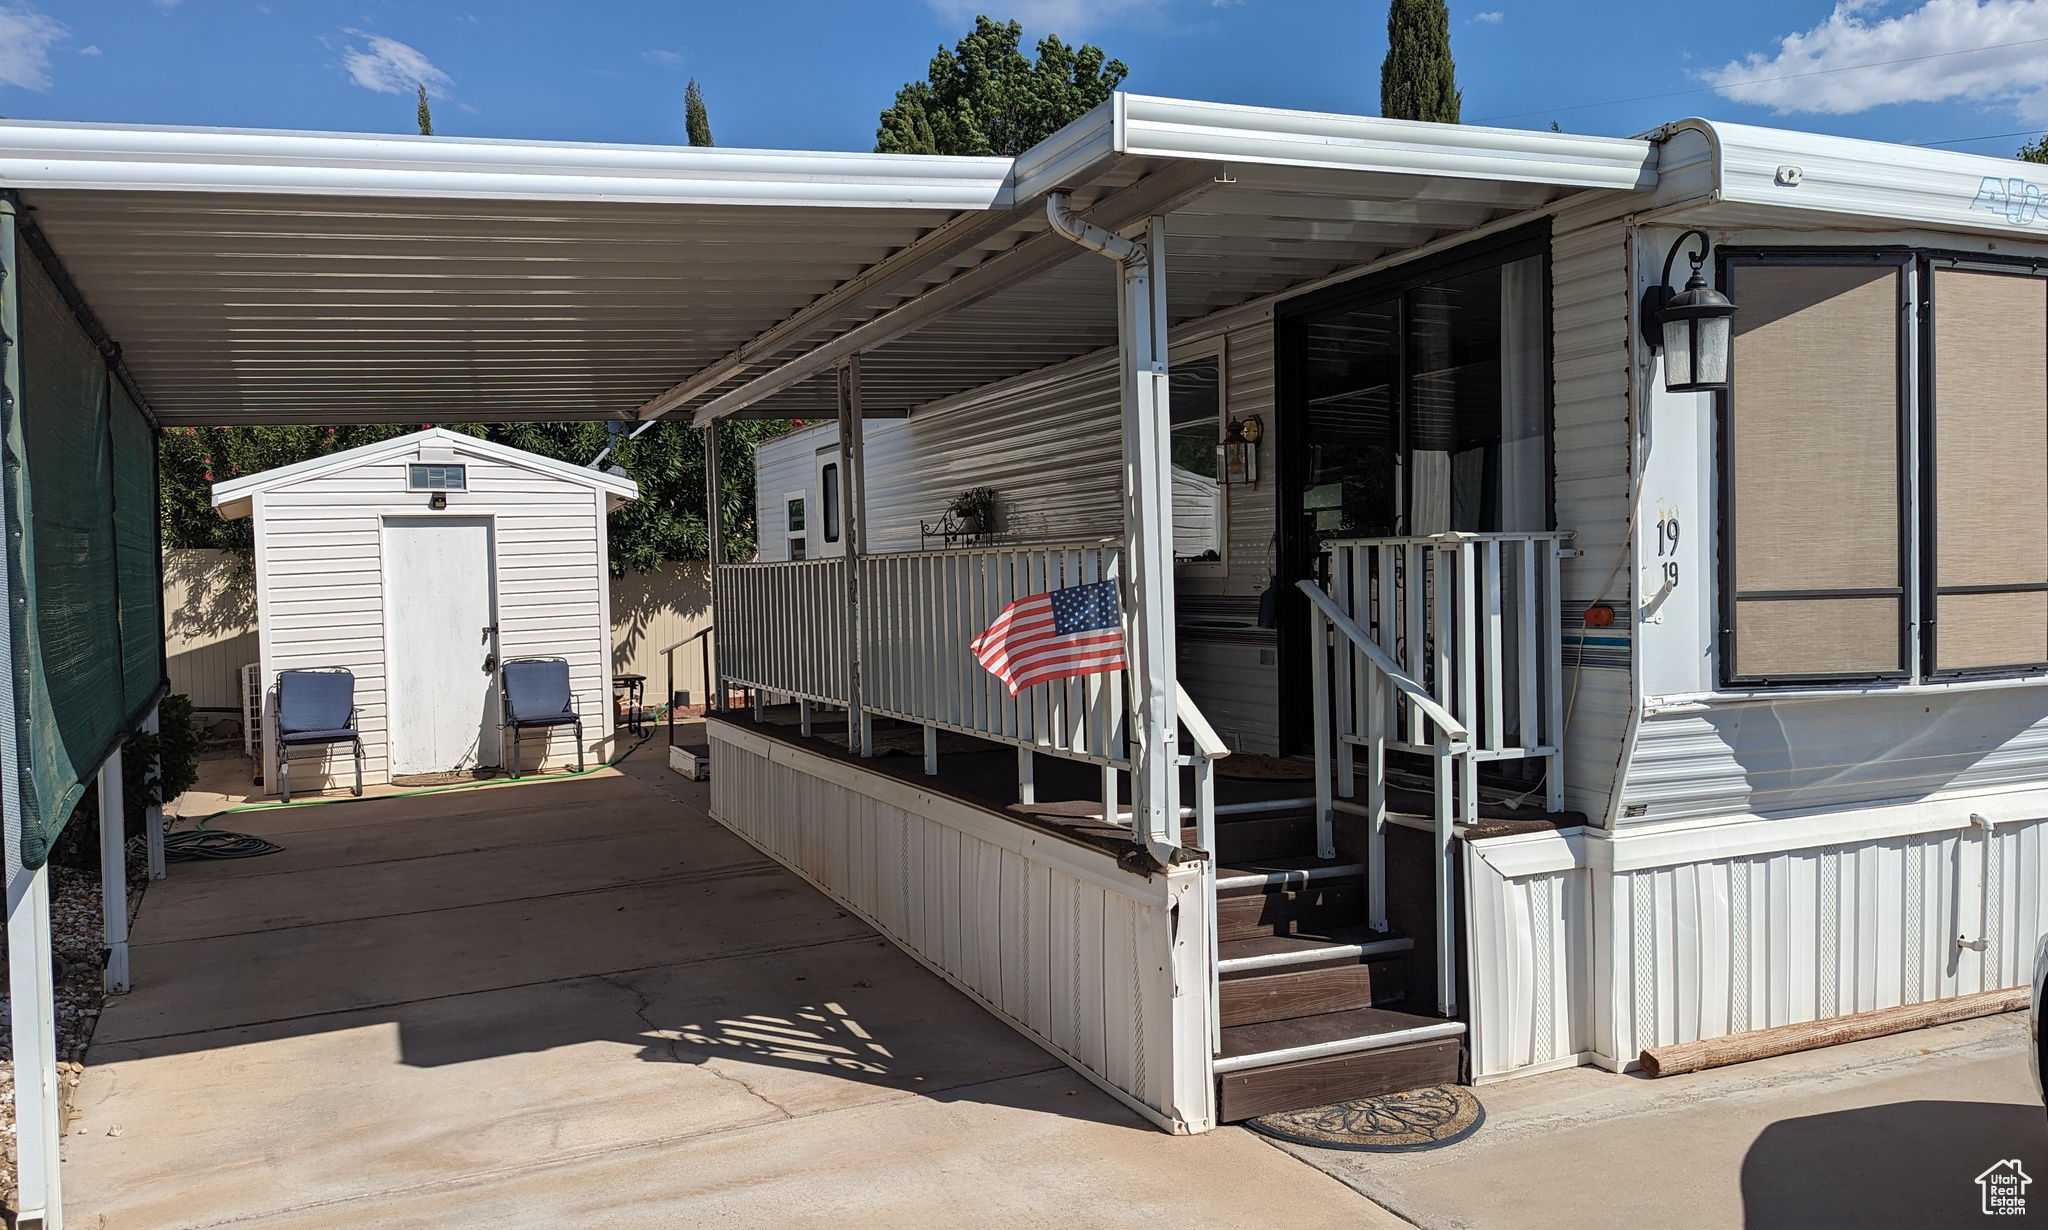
x=320, y=594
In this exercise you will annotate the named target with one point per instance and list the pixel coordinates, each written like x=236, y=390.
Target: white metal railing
x=786, y=627
x=1449, y=647
x=1208, y=749
x=921, y=609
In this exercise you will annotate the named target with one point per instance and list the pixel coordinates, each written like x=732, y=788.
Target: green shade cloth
x=84, y=598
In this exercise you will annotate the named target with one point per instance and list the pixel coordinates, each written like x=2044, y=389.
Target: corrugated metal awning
x=304, y=277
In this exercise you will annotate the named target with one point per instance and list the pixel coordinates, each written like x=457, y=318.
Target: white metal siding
x=1052, y=937
x=321, y=591
x=1708, y=948
x=1529, y=936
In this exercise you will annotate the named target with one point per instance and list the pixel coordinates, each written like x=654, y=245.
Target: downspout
x=1149, y=355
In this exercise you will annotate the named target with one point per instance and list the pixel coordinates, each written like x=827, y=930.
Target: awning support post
x=153, y=814
x=33, y=1021
x=853, y=499
x=114, y=874
x=1148, y=520
x=714, y=534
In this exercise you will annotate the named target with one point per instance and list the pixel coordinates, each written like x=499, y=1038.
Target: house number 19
x=1667, y=545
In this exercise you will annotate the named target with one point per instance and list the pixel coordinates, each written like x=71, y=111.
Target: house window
x=793, y=511
x=1196, y=403
x=828, y=495
x=435, y=477
x=1814, y=463
x=1870, y=534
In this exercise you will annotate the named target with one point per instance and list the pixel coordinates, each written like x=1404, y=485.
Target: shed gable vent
x=435, y=478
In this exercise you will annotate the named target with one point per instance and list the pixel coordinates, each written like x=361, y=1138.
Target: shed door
x=438, y=645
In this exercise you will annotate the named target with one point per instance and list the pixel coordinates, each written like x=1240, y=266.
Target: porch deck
x=580, y=999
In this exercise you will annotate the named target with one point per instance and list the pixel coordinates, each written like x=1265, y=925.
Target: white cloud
x=667, y=59
x=1065, y=18
x=25, y=38
x=1994, y=51
x=391, y=67
x=89, y=51
x=168, y=4
x=1486, y=19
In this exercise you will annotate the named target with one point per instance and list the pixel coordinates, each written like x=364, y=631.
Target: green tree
x=2035, y=150
x=1418, y=79
x=426, y=113
x=984, y=97
x=665, y=524
x=696, y=120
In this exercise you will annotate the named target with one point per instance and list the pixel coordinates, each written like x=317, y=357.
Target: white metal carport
x=253, y=277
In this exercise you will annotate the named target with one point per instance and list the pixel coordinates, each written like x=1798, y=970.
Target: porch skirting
x=1101, y=966
x=1593, y=947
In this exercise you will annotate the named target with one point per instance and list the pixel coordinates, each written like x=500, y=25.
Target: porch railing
x=786, y=627
x=1448, y=647
x=920, y=610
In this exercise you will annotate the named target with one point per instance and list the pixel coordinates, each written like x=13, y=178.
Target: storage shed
x=419, y=564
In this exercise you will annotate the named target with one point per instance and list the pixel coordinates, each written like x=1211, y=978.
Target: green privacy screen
x=84, y=593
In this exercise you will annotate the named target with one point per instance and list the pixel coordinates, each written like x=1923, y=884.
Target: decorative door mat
x=1257, y=767
x=1394, y=1123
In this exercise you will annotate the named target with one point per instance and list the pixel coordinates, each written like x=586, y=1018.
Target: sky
x=814, y=74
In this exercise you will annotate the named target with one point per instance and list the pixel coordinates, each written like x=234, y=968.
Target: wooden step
x=1314, y=909
x=1285, y=994
x=1250, y=1093
x=1257, y=837
x=1262, y=954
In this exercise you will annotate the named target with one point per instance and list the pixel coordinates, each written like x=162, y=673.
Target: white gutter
x=35, y=155
x=1090, y=236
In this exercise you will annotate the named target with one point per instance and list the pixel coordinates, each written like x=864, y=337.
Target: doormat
x=445, y=779
x=1256, y=767
x=1395, y=1123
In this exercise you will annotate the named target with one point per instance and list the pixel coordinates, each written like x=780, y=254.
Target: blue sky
x=814, y=73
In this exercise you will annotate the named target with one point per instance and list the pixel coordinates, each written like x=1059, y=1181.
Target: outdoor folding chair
x=315, y=708
x=536, y=695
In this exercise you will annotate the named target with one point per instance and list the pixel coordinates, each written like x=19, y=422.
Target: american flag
x=1058, y=635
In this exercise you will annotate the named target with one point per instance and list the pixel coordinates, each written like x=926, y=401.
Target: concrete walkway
x=582, y=1002
x=1891, y=1132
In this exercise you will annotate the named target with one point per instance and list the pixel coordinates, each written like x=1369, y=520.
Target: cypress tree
x=696, y=120
x=1418, y=80
x=426, y=115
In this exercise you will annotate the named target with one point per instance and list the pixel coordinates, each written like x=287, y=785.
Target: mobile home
x=1739, y=679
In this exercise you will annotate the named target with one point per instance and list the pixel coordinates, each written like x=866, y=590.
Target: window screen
x=1989, y=440
x=828, y=495
x=1813, y=464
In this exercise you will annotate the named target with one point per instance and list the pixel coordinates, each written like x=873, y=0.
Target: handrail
x=1403, y=682
x=1207, y=742
x=701, y=633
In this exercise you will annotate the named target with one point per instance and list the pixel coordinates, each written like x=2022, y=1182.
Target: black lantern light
x=1692, y=326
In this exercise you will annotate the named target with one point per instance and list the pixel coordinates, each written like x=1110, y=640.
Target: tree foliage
x=665, y=524
x=984, y=97
x=2035, y=150
x=1418, y=79
x=426, y=114
x=696, y=119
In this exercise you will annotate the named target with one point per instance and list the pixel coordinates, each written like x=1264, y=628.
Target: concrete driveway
x=582, y=1002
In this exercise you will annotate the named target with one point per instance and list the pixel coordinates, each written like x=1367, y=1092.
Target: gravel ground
x=76, y=937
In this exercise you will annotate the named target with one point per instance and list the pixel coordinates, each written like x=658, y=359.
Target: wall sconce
x=1239, y=451
x=1692, y=326
x=438, y=501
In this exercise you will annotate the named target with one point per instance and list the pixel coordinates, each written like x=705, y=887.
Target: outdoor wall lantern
x=1692, y=326
x=1240, y=451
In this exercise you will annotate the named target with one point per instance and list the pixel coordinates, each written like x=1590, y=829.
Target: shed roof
x=234, y=497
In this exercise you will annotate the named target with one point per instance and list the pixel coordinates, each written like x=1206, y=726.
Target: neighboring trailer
x=420, y=563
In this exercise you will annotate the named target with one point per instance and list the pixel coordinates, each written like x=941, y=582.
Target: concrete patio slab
x=1889, y=1132
x=515, y=1007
